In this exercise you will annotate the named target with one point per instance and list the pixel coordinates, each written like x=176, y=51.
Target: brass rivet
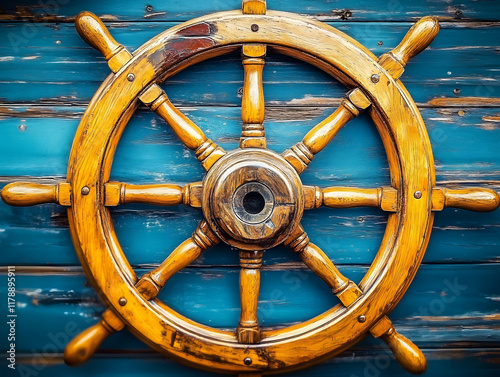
x=375, y=78
x=418, y=194
x=255, y=27
x=247, y=361
x=85, y=190
x=122, y=301
x=361, y=318
x=130, y=77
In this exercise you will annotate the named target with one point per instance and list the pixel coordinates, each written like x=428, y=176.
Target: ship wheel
x=252, y=198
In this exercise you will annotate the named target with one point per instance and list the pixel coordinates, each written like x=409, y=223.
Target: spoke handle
x=96, y=35
x=416, y=40
x=83, y=346
x=405, y=351
x=475, y=199
x=23, y=194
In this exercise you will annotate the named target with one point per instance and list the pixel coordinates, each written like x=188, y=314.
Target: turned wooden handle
x=22, y=194
x=473, y=199
x=406, y=353
x=95, y=33
x=83, y=346
x=416, y=40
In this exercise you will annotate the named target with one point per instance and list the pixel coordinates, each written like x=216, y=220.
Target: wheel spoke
x=117, y=193
x=319, y=263
x=301, y=154
x=252, y=105
x=189, y=133
x=187, y=252
x=248, y=331
x=385, y=198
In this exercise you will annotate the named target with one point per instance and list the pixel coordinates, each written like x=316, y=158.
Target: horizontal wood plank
x=443, y=306
x=363, y=10
x=150, y=153
x=42, y=64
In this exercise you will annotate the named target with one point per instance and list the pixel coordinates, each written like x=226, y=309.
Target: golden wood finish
x=83, y=346
x=252, y=198
x=253, y=6
x=248, y=330
x=472, y=199
x=22, y=194
x=301, y=154
x=117, y=193
x=415, y=41
x=252, y=104
x=385, y=198
x=406, y=353
x=186, y=253
x=189, y=133
x=93, y=31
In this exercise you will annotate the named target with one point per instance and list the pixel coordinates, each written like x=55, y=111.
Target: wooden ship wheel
x=252, y=198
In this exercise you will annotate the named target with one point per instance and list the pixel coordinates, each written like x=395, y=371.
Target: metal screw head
x=418, y=194
x=361, y=318
x=22, y=127
x=122, y=301
x=85, y=190
x=247, y=361
x=149, y=8
x=130, y=77
x=456, y=91
x=254, y=27
x=375, y=78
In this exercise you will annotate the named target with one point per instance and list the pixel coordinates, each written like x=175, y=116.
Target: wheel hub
x=252, y=199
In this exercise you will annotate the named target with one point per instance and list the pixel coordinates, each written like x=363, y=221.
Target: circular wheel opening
x=253, y=202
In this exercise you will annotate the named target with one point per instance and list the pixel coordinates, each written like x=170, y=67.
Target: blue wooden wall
x=47, y=76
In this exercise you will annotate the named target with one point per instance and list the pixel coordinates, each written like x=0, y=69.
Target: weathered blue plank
x=54, y=64
x=443, y=305
x=378, y=362
x=150, y=153
x=365, y=10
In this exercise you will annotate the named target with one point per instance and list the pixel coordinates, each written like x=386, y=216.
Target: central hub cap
x=252, y=199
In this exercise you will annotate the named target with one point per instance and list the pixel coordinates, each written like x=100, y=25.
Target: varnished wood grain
x=301, y=154
x=385, y=198
x=248, y=330
x=415, y=41
x=189, y=133
x=93, y=31
x=405, y=351
x=22, y=194
x=252, y=104
x=472, y=199
x=117, y=193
